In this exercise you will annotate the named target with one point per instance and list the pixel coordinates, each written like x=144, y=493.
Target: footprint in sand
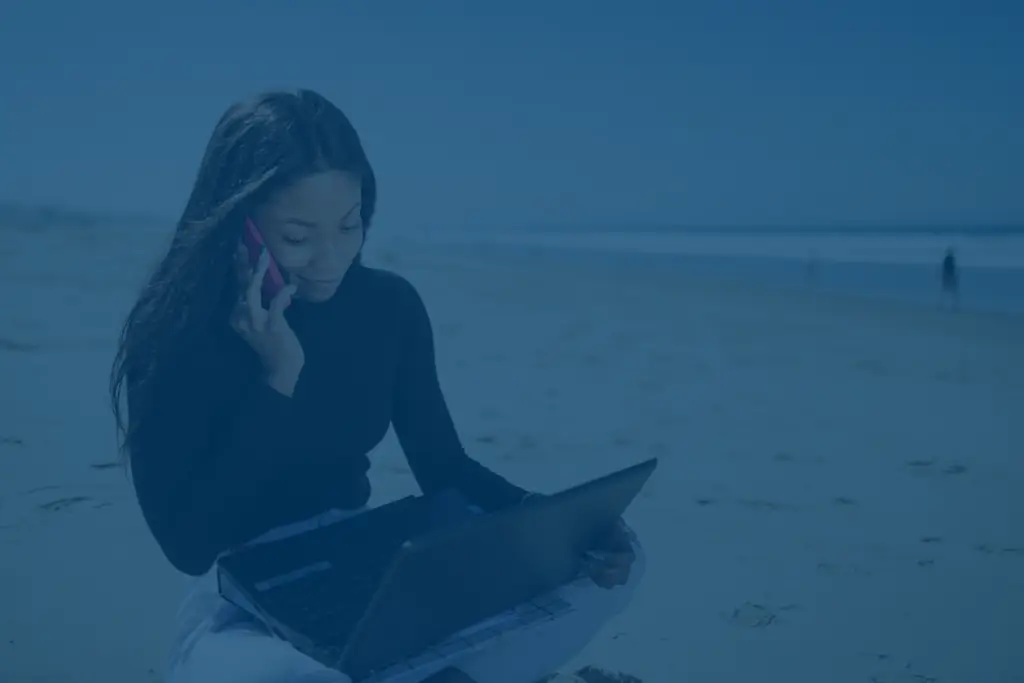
x=761, y=504
x=997, y=550
x=758, y=504
x=902, y=677
x=905, y=674
x=592, y=674
x=754, y=615
x=878, y=656
x=63, y=503
x=8, y=344
x=932, y=468
x=24, y=507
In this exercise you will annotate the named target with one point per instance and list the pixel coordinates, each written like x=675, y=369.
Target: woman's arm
x=424, y=425
x=209, y=455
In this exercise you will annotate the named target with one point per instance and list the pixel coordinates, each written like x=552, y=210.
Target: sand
x=839, y=496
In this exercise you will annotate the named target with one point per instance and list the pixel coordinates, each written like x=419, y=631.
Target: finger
x=608, y=578
x=240, y=323
x=618, y=560
x=608, y=563
x=253, y=296
x=240, y=311
x=618, y=540
x=281, y=302
x=618, y=577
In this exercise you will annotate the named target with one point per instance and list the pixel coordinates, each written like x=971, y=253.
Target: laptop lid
x=451, y=579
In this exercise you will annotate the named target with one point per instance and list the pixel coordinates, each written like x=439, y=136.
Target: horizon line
x=65, y=212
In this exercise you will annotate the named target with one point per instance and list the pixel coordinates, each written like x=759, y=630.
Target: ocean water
x=897, y=265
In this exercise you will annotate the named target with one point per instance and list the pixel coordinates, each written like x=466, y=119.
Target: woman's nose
x=332, y=252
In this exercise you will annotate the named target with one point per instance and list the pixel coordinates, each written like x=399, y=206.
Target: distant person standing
x=950, y=278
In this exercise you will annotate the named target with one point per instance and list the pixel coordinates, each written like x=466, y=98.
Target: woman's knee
x=248, y=655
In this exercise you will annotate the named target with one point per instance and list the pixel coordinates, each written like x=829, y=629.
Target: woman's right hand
x=265, y=329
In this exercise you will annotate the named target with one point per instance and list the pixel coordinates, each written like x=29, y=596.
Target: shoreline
x=782, y=276
x=977, y=250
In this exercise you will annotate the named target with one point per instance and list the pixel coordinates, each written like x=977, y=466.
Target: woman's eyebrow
x=309, y=224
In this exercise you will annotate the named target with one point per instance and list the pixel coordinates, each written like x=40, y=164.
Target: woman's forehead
x=322, y=198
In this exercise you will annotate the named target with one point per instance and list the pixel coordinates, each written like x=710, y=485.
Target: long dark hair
x=258, y=147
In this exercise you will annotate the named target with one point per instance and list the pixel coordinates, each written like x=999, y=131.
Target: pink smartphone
x=273, y=282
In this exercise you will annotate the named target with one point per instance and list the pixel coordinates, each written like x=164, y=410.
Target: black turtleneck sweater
x=220, y=457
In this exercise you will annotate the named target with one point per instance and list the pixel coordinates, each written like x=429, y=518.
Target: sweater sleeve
x=206, y=453
x=424, y=425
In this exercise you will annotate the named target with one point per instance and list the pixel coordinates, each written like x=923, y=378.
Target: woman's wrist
x=284, y=380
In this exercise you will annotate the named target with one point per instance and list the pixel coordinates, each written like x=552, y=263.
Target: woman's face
x=314, y=231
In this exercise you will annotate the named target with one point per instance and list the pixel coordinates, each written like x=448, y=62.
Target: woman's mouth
x=320, y=282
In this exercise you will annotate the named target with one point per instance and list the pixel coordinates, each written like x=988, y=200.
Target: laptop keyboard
x=325, y=599
x=324, y=603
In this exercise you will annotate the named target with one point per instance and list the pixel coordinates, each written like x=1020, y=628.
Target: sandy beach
x=839, y=497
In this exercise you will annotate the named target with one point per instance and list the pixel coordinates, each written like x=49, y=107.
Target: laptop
x=431, y=580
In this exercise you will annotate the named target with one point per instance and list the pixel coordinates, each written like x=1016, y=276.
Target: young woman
x=248, y=419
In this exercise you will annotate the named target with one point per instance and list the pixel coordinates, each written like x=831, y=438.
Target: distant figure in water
x=950, y=285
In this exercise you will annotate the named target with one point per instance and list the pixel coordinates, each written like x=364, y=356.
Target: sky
x=485, y=115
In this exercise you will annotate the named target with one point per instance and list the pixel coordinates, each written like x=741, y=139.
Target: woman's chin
x=316, y=292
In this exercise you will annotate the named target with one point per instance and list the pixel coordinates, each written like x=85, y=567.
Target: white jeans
x=216, y=642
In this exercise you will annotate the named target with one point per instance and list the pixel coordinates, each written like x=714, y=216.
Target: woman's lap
x=245, y=653
x=226, y=645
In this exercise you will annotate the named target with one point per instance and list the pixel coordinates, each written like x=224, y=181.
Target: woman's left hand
x=608, y=563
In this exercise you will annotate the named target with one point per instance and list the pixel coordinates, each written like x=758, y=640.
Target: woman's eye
x=293, y=240
x=350, y=228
